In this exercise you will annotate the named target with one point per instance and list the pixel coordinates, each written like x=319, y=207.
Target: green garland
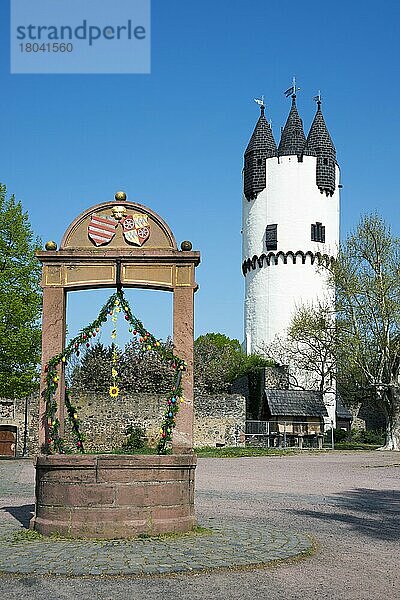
x=149, y=343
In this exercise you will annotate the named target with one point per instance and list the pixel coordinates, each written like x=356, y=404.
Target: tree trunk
x=392, y=419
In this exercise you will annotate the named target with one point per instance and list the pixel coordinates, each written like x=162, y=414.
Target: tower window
x=259, y=162
x=318, y=232
x=325, y=161
x=271, y=237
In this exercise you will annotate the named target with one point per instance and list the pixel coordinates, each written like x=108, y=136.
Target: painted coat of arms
x=135, y=227
x=101, y=230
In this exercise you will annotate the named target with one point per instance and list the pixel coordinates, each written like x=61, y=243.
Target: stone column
x=53, y=342
x=183, y=331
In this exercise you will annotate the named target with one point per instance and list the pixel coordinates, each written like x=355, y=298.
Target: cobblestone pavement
x=349, y=502
x=230, y=543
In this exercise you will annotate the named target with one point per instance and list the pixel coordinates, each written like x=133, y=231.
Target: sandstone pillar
x=53, y=342
x=183, y=330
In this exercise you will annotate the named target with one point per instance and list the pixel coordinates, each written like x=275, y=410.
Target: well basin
x=114, y=496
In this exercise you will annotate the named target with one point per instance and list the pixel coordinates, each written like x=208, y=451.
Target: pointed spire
x=318, y=139
x=260, y=147
x=292, y=139
x=319, y=143
x=262, y=138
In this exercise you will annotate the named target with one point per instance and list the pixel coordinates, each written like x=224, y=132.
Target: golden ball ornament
x=186, y=246
x=120, y=196
x=50, y=245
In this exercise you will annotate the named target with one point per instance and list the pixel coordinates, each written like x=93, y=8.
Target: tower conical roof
x=262, y=138
x=319, y=143
x=293, y=139
x=260, y=147
x=318, y=139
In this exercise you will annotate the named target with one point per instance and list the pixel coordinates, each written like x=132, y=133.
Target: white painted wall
x=293, y=201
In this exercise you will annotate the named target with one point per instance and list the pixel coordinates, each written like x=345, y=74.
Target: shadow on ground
x=375, y=513
x=23, y=513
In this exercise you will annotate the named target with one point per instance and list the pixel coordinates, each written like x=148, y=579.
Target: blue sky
x=174, y=139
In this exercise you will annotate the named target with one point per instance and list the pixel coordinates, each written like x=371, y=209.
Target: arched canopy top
x=118, y=225
x=121, y=244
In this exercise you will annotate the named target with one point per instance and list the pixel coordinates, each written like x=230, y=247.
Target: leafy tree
x=362, y=343
x=219, y=360
x=92, y=372
x=138, y=371
x=20, y=300
x=367, y=282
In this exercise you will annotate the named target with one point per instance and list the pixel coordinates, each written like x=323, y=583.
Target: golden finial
x=186, y=246
x=50, y=245
x=120, y=196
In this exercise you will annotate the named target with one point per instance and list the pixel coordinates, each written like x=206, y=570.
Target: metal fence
x=286, y=434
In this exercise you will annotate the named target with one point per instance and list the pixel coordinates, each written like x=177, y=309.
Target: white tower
x=290, y=217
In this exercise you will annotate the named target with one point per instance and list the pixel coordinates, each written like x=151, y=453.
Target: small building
x=295, y=411
x=277, y=415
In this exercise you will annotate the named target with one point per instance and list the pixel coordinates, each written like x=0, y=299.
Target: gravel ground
x=348, y=502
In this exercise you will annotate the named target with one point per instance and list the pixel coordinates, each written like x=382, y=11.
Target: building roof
x=318, y=140
x=262, y=138
x=296, y=403
x=293, y=139
x=341, y=411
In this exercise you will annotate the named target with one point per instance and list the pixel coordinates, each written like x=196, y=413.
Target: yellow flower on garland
x=114, y=373
x=114, y=391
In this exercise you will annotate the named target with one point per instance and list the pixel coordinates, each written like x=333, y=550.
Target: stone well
x=114, y=496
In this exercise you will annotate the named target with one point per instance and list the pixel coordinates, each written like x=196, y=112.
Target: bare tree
x=308, y=349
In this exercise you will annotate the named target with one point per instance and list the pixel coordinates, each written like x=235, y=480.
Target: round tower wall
x=274, y=293
x=292, y=202
x=254, y=218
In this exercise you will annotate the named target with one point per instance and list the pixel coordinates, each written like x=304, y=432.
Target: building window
x=271, y=237
x=325, y=161
x=318, y=232
x=259, y=162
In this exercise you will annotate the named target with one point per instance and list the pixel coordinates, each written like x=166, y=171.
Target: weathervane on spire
x=261, y=104
x=318, y=99
x=292, y=91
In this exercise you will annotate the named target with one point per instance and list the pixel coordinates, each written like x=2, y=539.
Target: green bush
x=136, y=438
x=369, y=436
x=340, y=435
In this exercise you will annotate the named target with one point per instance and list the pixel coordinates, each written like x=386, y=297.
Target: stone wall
x=276, y=377
x=12, y=414
x=104, y=419
x=217, y=419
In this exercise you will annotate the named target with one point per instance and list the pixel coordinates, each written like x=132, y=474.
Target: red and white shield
x=136, y=228
x=101, y=230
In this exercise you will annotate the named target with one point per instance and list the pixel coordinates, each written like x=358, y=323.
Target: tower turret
x=260, y=147
x=293, y=139
x=320, y=145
